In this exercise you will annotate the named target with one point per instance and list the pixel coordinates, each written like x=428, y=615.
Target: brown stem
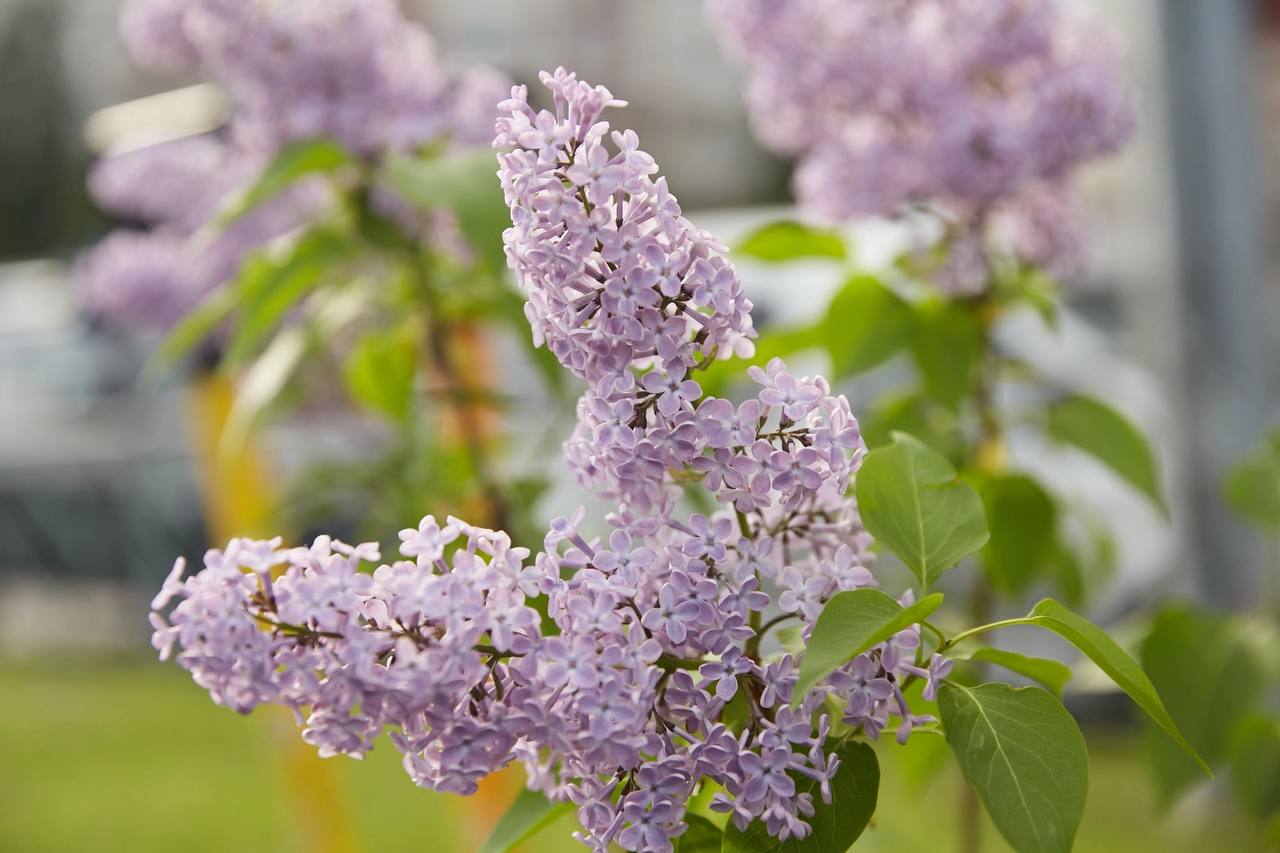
x=440, y=350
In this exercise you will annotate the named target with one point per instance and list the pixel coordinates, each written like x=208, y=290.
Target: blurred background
x=100, y=474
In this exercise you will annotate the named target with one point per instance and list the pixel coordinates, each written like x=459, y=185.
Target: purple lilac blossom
x=621, y=702
x=980, y=108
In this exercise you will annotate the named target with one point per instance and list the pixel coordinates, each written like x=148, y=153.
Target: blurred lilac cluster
x=649, y=675
x=981, y=108
x=354, y=71
x=350, y=70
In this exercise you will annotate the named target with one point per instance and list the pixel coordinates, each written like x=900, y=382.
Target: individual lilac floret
x=971, y=106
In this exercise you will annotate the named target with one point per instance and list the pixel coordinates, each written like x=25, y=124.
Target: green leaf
x=913, y=413
x=702, y=836
x=465, y=184
x=912, y=503
x=1226, y=687
x=852, y=622
x=1034, y=287
x=268, y=286
x=528, y=815
x=836, y=825
x=198, y=324
x=1252, y=486
x=1024, y=755
x=1051, y=673
x=1023, y=522
x=1112, y=439
x=947, y=342
x=263, y=383
x=866, y=324
x=1112, y=660
x=787, y=239
x=380, y=371
x=295, y=161
x=1255, y=766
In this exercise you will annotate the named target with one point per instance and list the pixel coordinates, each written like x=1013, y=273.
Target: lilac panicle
x=650, y=675
x=981, y=108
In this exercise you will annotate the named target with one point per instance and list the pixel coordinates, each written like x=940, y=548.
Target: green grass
x=133, y=757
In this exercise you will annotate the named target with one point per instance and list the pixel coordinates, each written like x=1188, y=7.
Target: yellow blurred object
x=237, y=501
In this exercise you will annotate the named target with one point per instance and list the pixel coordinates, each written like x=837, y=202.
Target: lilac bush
x=979, y=109
x=631, y=672
x=354, y=72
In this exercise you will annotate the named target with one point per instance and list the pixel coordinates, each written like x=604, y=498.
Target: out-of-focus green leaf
x=1209, y=680
x=1023, y=523
x=269, y=285
x=528, y=815
x=1255, y=765
x=913, y=413
x=850, y=623
x=1033, y=287
x=1051, y=673
x=1252, y=486
x=262, y=384
x=948, y=348
x=197, y=325
x=1024, y=755
x=1112, y=439
x=465, y=184
x=788, y=240
x=295, y=161
x=380, y=371
x=912, y=503
x=836, y=825
x=866, y=324
x=702, y=836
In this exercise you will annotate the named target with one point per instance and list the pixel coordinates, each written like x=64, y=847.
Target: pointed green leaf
x=852, y=622
x=866, y=323
x=702, y=836
x=262, y=384
x=1112, y=439
x=1024, y=755
x=1255, y=765
x=379, y=372
x=1227, y=687
x=195, y=326
x=1252, y=487
x=1051, y=673
x=836, y=825
x=1023, y=522
x=270, y=284
x=1114, y=661
x=912, y=503
x=528, y=815
x=295, y=161
x=787, y=240
x=947, y=344
x=466, y=184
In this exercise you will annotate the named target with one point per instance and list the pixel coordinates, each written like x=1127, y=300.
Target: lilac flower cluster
x=153, y=271
x=653, y=673
x=350, y=70
x=982, y=108
x=624, y=710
